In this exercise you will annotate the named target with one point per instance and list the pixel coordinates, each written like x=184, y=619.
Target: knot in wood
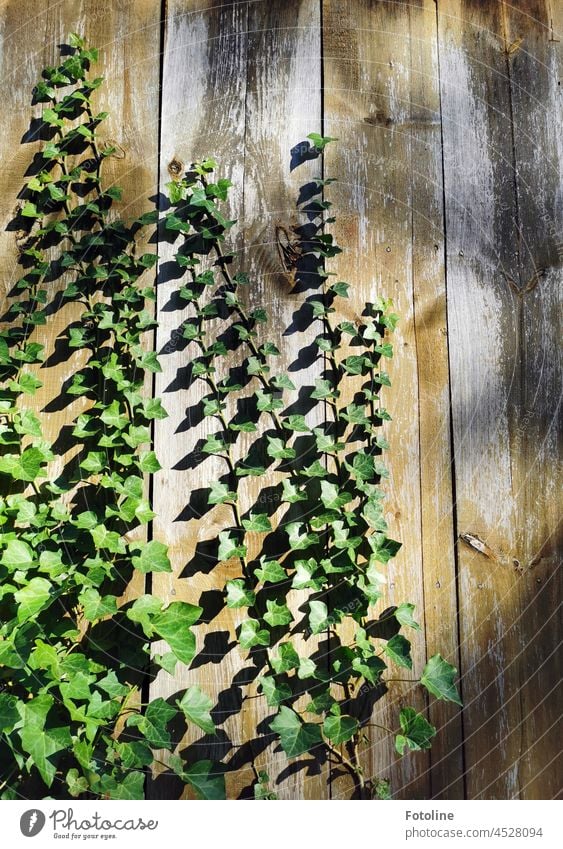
x=175, y=168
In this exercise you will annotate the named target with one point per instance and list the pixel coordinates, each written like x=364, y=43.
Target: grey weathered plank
x=502, y=220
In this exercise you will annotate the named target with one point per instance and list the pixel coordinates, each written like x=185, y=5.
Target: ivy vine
x=75, y=652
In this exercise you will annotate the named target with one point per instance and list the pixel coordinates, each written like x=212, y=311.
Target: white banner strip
x=294, y=825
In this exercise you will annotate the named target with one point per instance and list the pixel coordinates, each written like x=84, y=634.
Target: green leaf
x=8, y=712
x=76, y=783
x=142, y=610
x=206, y=779
x=173, y=625
x=153, y=558
x=318, y=616
x=238, y=595
x=296, y=737
x=220, y=493
x=338, y=729
x=250, y=634
x=148, y=462
x=196, y=707
x=288, y=658
x=277, y=614
x=417, y=732
x=438, y=678
x=153, y=724
x=404, y=615
x=228, y=547
x=270, y=571
x=278, y=450
x=97, y=606
x=42, y=745
x=320, y=142
x=132, y=786
x=399, y=650
x=331, y=496
x=17, y=555
x=33, y=597
x=275, y=693
x=259, y=522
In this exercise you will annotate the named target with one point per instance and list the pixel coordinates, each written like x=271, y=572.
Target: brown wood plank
x=381, y=101
x=502, y=222
x=241, y=83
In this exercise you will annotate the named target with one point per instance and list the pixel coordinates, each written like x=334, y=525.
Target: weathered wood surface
x=382, y=103
x=500, y=73
x=449, y=161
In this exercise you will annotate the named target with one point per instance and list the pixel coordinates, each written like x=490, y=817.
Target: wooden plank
x=431, y=335
x=503, y=406
x=385, y=114
x=221, y=98
x=203, y=91
x=283, y=105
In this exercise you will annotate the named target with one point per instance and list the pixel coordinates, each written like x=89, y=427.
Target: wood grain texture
x=381, y=103
x=502, y=181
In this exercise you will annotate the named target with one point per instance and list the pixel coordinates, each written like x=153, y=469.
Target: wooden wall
x=450, y=201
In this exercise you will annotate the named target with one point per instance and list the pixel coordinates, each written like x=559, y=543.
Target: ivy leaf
x=274, y=692
x=41, y=744
x=196, y=706
x=132, y=786
x=206, y=779
x=8, y=712
x=299, y=540
x=270, y=572
x=318, y=616
x=17, y=555
x=238, y=595
x=33, y=597
x=296, y=737
x=76, y=783
x=153, y=557
x=229, y=547
x=296, y=423
x=153, y=723
x=142, y=610
x=404, y=615
x=320, y=142
x=250, y=634
x=332, y=498
x=291, y=493
x=278, y=450
x=288, y=659
x=259, y=522
x=95, y=606
x=417, y=732
x=173, y=625
x=338, y=729
x=220, y=493
x=148, y=463
x=277, y=614
x=438, y=678
x=399, y=650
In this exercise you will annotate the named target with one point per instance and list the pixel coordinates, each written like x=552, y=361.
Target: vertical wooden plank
x=203, y=94
x=431, y=335
x=283, y=105
x=241, y=83
x=535, y=71
x=503, y=406
x=381, y=103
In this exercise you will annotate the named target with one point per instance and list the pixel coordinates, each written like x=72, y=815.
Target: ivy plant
x=323, y=661
x=75, y=718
